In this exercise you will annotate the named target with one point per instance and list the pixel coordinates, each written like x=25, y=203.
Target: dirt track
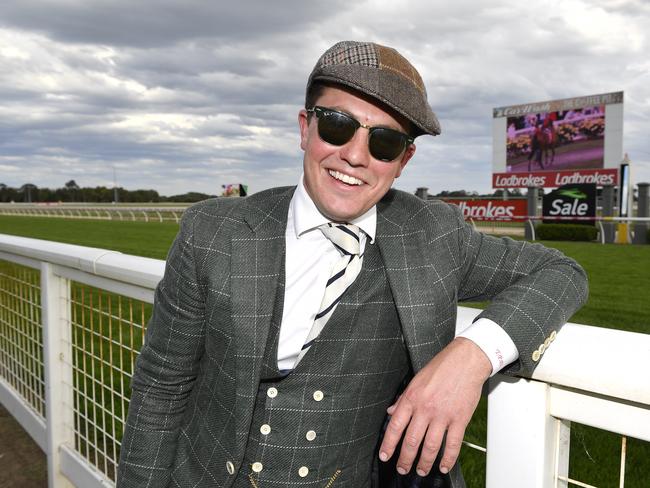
x=22, y=463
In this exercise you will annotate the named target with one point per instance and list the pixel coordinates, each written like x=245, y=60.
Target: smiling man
x=294, y=326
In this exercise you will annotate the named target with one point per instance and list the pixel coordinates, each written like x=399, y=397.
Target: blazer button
x=265, y=429
x=536, y=355
x=303, y=471
x=257, y=467
x=311, y=435
x=547, y=342
x=230, y=467
x=272, y=392
x=542, y=349
x=318, y=395
x=553, y=335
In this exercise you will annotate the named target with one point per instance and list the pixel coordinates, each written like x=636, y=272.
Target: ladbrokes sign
x=570, y=202
x=492, y=209
x=598, y=177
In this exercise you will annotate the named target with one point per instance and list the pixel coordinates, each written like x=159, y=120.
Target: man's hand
x=440, y=398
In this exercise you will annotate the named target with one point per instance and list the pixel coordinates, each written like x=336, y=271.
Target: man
x=287, y=321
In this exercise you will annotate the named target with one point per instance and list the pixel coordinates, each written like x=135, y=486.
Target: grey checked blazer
x=200, y=366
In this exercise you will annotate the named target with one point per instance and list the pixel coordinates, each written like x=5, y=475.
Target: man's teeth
x=345, y=178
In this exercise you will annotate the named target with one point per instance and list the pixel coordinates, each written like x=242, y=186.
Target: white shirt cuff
x=494, y=341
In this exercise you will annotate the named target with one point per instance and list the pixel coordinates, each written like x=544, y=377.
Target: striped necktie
x=345, y=237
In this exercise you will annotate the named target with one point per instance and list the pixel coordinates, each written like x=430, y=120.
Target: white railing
x=72, y=320
x=132, y=213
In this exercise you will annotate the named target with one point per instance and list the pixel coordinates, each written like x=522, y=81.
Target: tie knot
x=345, y=237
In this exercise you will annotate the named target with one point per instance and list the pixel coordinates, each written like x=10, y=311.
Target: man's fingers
x=430, y=448
x=398, y=423
x=453, y=443
x=411, y=444
x=392, y=408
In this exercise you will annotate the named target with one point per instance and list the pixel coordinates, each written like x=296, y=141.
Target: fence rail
x=72, y=321
x=96, y=212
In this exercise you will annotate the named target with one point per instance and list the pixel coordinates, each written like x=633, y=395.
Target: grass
x=150, y=239
x=618, y=296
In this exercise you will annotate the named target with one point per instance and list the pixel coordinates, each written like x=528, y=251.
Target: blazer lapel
x=258, y=251
x=412, y=279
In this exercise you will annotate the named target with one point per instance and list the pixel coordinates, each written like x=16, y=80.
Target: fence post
x=643, y=210
x=518, y=422
x=608, y=211
x=57, y=356
x=533, y=199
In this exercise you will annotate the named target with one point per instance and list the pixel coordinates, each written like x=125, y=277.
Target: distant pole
x=116, y=197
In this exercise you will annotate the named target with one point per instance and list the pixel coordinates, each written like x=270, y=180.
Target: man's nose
x=355, y=151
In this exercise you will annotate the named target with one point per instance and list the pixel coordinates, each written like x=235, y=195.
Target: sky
x=190, y=95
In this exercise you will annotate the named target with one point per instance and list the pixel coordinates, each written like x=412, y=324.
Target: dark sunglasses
x=337, y=128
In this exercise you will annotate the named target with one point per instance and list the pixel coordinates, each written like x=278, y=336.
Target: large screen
x=558, y=142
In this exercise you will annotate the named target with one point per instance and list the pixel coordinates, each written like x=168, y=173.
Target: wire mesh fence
x=107, y=331
x=21, y=333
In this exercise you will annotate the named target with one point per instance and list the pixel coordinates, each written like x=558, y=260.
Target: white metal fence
x=96, y=212
x=72, y=321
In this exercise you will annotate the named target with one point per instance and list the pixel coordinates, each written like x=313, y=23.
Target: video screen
x=556, y=141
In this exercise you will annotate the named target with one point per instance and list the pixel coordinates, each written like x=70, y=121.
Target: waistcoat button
x=318, y=395
x=272, y=392
x=257, y=467
x=311, y=435
x=230, y=467
x=303, y=471
x=265, y=429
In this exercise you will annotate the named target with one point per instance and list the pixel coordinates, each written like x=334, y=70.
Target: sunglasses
x=337, y=128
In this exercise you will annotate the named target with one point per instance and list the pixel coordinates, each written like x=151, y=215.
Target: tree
x=72, y=185
x=27, y=190
x=72, y=189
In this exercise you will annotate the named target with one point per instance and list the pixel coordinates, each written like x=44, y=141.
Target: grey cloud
x=156, y=23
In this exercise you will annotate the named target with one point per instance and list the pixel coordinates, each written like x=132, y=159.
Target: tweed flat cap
x=382, y=73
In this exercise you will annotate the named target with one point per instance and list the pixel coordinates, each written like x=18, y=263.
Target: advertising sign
x=575, y=137
x=570, y=204
x=511, y=210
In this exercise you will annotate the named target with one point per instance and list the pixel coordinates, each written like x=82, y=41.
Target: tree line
x=71, y=192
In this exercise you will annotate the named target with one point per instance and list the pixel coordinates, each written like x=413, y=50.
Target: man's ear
x=408, y=154
x=303, y=124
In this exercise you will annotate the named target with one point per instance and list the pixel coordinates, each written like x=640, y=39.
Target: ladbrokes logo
x=491, y=209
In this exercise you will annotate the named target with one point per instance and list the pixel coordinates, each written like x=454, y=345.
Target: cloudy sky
x=187, y=95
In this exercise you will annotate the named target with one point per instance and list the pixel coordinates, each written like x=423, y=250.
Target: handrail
x=137, y=270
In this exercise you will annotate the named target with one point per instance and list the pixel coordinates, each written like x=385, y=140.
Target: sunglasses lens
x=336, y=128
x=386, y=144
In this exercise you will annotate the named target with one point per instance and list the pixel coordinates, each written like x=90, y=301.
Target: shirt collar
x=306, y=216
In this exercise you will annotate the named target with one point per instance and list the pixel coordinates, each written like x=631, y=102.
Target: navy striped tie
x=345, y=237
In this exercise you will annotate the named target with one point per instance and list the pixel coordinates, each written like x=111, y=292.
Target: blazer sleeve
x=533, y=290
x=165, y=370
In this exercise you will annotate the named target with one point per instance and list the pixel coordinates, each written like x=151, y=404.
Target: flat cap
x=381, y=73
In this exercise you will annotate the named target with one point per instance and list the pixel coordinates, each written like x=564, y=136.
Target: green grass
x=618, y=296
x=150, y=239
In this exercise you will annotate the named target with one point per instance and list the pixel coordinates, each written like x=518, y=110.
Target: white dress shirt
x=309, y=260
